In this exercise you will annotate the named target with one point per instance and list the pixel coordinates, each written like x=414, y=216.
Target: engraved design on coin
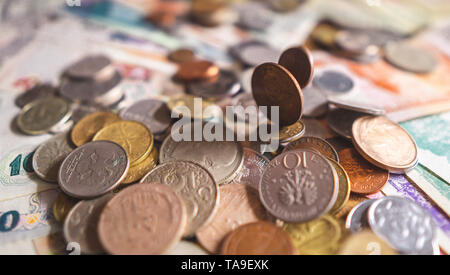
x=254, y=166
x=318, y=144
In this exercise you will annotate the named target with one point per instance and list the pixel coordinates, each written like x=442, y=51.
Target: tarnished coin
x=142, y=219
x=318, y=237
x=194, y=185
x=254, y=53
x=188, y=101
x=384, y=143
x=40, y=116
x=238, y=205
x=152, y=113
x=355, y=105
x=365, y=243
x=410, y=58
x=91, y=67
x=133, y=136
x=39, y=91
x=93, y=169
x=197, y=70
x=88, y=126
x=298, y=186
x=139, y=170
x=49, y=155
x=357, y=219
x=318, y=144
x=82, y=223
x=273, y=85
x=223, y=159
x=333, y=82
x=181, y=55
x=365, y=178
x=315, y=103
x=258, y=238
x=344, y=187
x=313, y=128
x=341, y=121
x=62, y=206
x=226, y=85
x=403, y=224
x=299, y=62
x=292, y=132
x=254, y=166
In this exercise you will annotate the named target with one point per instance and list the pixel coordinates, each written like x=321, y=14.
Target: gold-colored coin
x=324, y=35
x=184, y=106
x=89, y=125
x=292, y=132
x=138, y=171
x=353, y=200
x=41, y=116
x=318, y=237
x=344, y=187
x=365, y=243
x=62, y=206
x=133, y=136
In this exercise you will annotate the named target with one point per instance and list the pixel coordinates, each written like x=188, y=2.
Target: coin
x=292, y=132
x=133, y=136
x=403, y=224
x=253, y=53
x=317, y=237
x=365, y=243
x=358, y=44
x=365, y=178
x=62, y=206
x=410, y=58
x=181, y=55
x=315, y=103
x=339, y=143
x=341, y=121
x=64, y=127
x=226, y=85
x=38, y=91
x=253, y=16
x=223, y=159
x=81, y=224
x=93, y=169
x=344, y=187
x=49, y=155
x=313, y=128
x=254, y=165
x=152, y=113
x=299, y=62
x=355, y=105
x=273, y=85
x=197, y=70
x=384, y=143
x=333, y=82
x=89, y=125
x=188, y=101
x=318, y=144
x=91, y=67
x=194, y=185
x=324, y=36
x=139, y=170
x=40, y=116
x=298, y=186
x=142, y=219
x=238, y=205
x=357, y=219
x=258, y=238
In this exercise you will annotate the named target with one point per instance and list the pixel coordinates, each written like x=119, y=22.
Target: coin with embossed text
x=292, y=132
x=194, y=184
x=139, y=170
x=89, y=125
x=254, y=165
x=93, y=169
x=318, y=144
x=298, y=61
x=152, y=113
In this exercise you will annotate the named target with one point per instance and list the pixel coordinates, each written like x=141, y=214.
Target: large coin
x=238, y=205
x=39, y=91
x=344, y=187
x=299, y=186
x=318, y=144
x=254, y=166
x=226, y=85
x=409, y=58
x=298, y=61
x=273, y=85
x=139, y=170
x=91, y=67
x=384, y=143
x=142, y=219
x=89, y=125
x=365, y=243
x=258, y=238
x=341, y=121
x=194, y=185
x=93, y=169
x=357, y=219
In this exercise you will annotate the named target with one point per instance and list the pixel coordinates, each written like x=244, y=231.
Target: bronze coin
x=197, y=70
x=298, y=61
x=273, y=85
x=365, y=178
x=181, y=56
x=259, y=238
x=318, y=144
x=254, y=165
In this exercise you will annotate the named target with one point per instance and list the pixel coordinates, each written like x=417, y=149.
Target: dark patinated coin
x=226, y=85
x=37, y=92
x=298, y=61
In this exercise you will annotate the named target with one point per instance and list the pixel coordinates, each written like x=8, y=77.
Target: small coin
x=139, y=170
x=194, y=185
x=318, y=237
x=355, y=105
x=179, y=103
x=258, y=238
x=49, y=155
x=318, y=144
x=410, y=58
x=298, y=186
x=254, y=166
x=253, y=53
x=299, y=62
x=357, y=219
x=62, y=206
x=292, y=132
x=238, y=205
x=40, y=116
x=333, y=82
x=181, y=55
x=88, y=126
x=197, y=70
x=313, y=128
x=344, y=187
x=365, y=178
x=403, y=224
x=273, y=85
x=226, y=85
x=315, y=102
x=39, y=91
x=91, y=67
x=365, y=243
x=142, y=219
x=384, y=143
x=133, y=136
x=152, y=113
x=93, y=169
x=81, y=224
x=341, y=121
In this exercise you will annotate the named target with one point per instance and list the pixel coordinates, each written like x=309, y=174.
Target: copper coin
x=142, y=219
x=273, y=85
x=239, y=204
x=258, y=238
x=299, y=186
x=298, y=61
x=197, y=70
x=365, y=178
x=318, y=144
x=181, y=55
x=254, y=165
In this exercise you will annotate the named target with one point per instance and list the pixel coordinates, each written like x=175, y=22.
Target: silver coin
x=39, y=91
x=93, y=169
x=314, y=102
x=355, y=105
x=410, y=58
x=62, y=127
x=152, y=113
x=194, y=184
x=357, y=43
x=313, y=128
x=91, y=67
x=357, y=218
x=403, y=224
x=254, y=53
x=341, y=121
x=80, y=225
x=253, y=16
x=227, y=85
x=333, y=82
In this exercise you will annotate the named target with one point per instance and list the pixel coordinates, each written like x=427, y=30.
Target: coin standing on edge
x=299, y=62
x=89, y=125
